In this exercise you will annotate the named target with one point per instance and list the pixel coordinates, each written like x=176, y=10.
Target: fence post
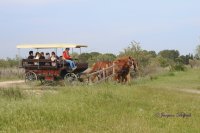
x=113, y=68
x=104, y=74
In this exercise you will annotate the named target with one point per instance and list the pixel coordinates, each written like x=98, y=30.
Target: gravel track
x=10, y=83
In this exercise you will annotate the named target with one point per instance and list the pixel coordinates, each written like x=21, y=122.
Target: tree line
x=164, y=58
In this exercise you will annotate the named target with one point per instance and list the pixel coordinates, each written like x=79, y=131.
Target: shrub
x=194, y=63
x=178, y=67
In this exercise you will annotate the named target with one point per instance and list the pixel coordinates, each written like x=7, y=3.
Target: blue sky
x=104, y=25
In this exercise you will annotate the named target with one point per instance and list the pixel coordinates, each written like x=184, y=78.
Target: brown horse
x=122, y=68
x=98, y=66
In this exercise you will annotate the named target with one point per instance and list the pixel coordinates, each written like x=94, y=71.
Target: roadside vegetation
x=9, y=69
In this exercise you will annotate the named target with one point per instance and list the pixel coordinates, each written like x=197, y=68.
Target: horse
x=122, y=68
x=98, y=66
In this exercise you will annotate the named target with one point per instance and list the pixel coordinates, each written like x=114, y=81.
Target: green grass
x=110, y=107
x=11, y=93
x=178, y=80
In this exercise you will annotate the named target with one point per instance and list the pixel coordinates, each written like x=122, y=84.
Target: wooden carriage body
x=46, y=70
x=51, y=71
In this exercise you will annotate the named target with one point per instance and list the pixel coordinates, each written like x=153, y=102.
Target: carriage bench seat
x=36, y=67
x=38, y=64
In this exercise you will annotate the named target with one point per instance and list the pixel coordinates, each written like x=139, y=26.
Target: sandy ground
x=10, y=83
x=35, y=90
x=190, y=91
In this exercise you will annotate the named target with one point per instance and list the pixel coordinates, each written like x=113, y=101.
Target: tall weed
x=11, y=73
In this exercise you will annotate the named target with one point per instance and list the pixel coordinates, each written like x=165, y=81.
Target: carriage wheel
x=30, y=77
x=70, y=79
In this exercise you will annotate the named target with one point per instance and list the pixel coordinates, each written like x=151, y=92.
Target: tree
x=169, y=54
x=152, y=53
x=142, y=56
x=94, y=54
x=75, y=55
x=105, y=57
x=84, y=57
x=197, y=52
x=185, y=58
x=133, y=49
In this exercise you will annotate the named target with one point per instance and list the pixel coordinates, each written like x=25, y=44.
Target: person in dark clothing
x=42, y=57
x=31, y=57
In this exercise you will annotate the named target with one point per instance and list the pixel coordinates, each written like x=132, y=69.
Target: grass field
x=12, y=73
x=147, y=105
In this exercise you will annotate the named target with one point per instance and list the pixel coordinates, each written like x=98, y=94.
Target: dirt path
x=190, y=91
x=10, y=83
x=16, y=82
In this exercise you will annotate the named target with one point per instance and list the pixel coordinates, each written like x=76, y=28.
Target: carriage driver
x=68, y=59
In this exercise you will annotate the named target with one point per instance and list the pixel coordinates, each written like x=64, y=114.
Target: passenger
x=54, y=58
x=47, y=56
x=42, y=57
x=37, y=56
x=68, y=59
x=30, y=57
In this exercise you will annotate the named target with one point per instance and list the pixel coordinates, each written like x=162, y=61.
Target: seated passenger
x=30, y=57
x=47, y=56
x=42, y=57
x=54, y=58
x=37, y=56
x=68, y=59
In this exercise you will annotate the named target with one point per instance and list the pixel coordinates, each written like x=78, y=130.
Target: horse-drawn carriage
x=45, y=70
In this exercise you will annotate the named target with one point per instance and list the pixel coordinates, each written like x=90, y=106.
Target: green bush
x=178, y=67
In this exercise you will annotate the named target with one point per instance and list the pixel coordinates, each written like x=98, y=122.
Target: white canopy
x=50, y=46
